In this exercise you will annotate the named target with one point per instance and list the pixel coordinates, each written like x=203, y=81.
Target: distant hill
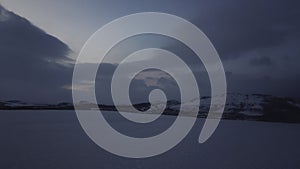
x=256, y=107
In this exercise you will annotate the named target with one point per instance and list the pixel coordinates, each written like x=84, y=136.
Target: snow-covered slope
x=238, y=106
x=248, y=106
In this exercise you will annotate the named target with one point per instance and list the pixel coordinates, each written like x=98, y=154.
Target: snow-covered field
x=55, y=140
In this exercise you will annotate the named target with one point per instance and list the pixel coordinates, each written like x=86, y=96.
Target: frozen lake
x=55, y=140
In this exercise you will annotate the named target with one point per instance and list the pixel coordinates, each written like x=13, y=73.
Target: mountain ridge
x=258, y=107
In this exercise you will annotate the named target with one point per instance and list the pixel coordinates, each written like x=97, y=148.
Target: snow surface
x=55, y=140
x=250, y=105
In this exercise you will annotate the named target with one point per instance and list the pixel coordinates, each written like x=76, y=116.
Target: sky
x=68, y=19
x=258, y=43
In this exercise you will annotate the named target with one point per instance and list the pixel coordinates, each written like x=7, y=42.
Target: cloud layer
x=258, y=42
x=30, y=67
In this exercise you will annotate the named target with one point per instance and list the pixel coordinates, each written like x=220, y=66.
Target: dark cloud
x=261, y=61
x=283, y=86
x=140, y=87
x=30, y=67
x=239, y=26
x=258, y=41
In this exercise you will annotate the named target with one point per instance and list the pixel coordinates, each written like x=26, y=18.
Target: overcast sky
x=258, y=42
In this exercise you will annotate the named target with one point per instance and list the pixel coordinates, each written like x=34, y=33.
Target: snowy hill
x=257, y=107
x=250, y=107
